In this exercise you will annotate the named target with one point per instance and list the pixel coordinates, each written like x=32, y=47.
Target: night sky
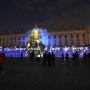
x=24, y=14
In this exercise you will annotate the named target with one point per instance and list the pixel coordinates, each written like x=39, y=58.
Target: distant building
x=60, y=38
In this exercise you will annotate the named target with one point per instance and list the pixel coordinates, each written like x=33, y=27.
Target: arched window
x=54, y=36
x=54, y=43
x=78, y=42
x=84, y=42
x=65, y=36
x=71, y=36
x=23, y=44
x=77, y=35
x=7, y=39
x=3, y=44
x=19, y=38
x=3, y=39
x=49, y=37
x=10, y=44
x=59, y=36
x=60, y=43
x=14, y=38
x=49, y=44
x=71, y=43
x=83, y=35
x=66, y=42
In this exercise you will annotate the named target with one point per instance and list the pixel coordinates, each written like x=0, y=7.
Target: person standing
x=76, y=58
x=73, y=57
x=1, y=60
x=32, y=55
x=21, y=55
x=53, y=58
x=89, y=56
x=3, y=54
x=62, y=56
x=44, y=58
x=49, y=59
x=67, y=56
x=84, y=57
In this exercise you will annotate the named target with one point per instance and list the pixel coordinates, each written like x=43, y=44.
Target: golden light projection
x=33, y=38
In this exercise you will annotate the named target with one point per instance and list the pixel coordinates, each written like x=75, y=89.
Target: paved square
x=32, y=75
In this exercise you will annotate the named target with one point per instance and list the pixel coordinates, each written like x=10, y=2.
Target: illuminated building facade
x=55, y=39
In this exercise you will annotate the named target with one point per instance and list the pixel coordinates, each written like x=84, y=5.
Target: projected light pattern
x=44, y=38
x=16, y=52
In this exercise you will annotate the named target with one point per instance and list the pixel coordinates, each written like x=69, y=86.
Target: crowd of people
x=85, y=56
x=75, y=57
x=48, y=58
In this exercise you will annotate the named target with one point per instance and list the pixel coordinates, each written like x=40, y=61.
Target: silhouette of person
x=76, y=58
x=84, y=57
x=49, y=59
x=53, y=58
x=67, y=56
x=32, y=56
x=62, y=56
x=89, y=56
x=44, y=58
x=73, y=58
x=21, y=55
x=11, y=54
x=3, y=55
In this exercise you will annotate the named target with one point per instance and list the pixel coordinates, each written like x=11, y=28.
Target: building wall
x=54, y=38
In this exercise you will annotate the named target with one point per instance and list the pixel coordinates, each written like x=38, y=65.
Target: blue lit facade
x=51, y=42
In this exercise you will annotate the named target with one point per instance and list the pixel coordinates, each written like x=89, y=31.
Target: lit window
x=84, y=41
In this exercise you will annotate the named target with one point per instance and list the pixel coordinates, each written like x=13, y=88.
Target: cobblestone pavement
x=32, y=75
